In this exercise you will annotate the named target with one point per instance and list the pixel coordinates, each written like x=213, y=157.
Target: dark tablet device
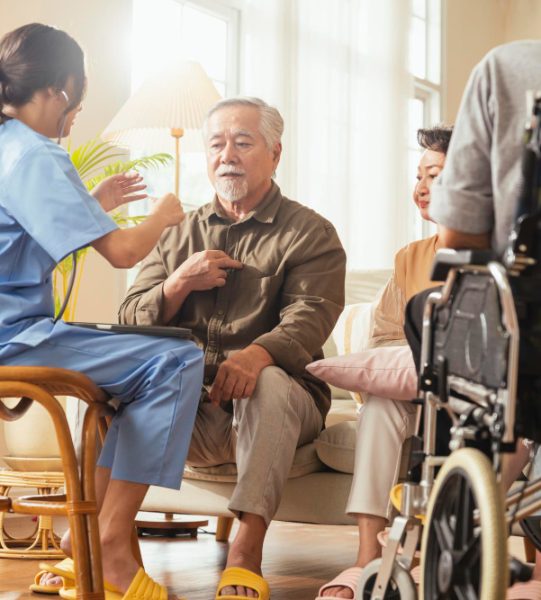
x=156, y=330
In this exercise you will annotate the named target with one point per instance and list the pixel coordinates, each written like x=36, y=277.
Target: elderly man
x=260, y=280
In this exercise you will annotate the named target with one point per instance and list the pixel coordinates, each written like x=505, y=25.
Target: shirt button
x=207, y=381
x=220, y=313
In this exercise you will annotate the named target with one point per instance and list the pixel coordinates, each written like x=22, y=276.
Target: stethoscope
x=61, y=126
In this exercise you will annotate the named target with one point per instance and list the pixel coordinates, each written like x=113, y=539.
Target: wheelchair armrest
x=448, y=259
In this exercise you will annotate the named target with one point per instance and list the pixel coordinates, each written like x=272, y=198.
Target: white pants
x=382, y=428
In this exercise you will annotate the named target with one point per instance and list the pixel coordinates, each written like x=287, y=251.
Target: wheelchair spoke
x=471, y=555
x=466, y=592
x=444, y=534
x=463, y=516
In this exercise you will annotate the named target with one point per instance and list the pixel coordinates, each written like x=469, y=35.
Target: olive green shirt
x=287, y=298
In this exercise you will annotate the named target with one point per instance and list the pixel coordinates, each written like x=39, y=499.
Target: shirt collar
x=264, y=212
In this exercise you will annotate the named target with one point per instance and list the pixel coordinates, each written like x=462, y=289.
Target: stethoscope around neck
x=62, y=310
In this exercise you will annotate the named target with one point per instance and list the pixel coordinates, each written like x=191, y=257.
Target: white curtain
x=336, y=69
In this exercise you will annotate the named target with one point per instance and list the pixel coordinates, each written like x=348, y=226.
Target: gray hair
x=271, y=124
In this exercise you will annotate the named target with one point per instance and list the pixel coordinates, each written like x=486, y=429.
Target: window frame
x=429, y=91
x=230, y=11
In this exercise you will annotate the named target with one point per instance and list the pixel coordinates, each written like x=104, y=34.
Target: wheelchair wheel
x=461, y=559
x=401, y=586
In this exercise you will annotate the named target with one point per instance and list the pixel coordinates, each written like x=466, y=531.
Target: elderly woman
x=385, y=424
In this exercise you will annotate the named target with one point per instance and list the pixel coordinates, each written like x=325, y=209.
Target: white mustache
x=229, y=171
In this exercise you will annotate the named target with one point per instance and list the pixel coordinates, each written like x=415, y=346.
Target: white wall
x=523, y=20
x=471, y=29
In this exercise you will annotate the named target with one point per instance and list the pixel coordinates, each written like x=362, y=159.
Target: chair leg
x=136, y=547
x=529, y=550
x=223, y=529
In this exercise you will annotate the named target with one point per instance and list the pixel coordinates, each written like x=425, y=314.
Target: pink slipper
x=346, y=579
x=530, y=590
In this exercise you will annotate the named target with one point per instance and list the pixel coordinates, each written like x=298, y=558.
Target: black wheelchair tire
x=465, y=481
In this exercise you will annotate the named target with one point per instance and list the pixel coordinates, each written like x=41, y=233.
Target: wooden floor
x=298, y=559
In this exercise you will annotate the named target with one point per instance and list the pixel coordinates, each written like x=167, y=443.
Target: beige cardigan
x=411, y=275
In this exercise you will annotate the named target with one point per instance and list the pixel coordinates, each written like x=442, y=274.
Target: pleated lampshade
x=167, y=106
x=178, y=98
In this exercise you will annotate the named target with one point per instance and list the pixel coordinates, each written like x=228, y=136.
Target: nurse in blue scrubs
x=46, y=213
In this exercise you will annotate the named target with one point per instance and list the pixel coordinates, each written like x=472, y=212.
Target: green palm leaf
x=146, y=162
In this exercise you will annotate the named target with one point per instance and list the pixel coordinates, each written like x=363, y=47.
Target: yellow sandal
x=142, y=587
x=63, y=569
x=235, y=576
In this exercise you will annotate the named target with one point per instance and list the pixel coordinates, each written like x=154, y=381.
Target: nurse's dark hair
x=35, y=57
x=435, y=138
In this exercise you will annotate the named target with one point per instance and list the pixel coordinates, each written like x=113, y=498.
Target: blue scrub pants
x=157, y=382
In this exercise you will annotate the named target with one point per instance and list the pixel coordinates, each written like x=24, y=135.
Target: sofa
x=320, y=478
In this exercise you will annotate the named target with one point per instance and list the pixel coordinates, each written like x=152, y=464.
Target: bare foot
x=338, y=592
x=340, y=589
x=51, y=578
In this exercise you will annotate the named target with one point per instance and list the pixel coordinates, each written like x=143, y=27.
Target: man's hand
x=237, y=376
x=119, y=189
x=201, y=271
x=204, y=270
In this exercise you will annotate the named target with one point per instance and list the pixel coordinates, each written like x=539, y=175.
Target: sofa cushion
x=361, y=288
x=351, y=334
x=342, y=410
x=387, y=372
x=306, y=461
x=336, y=446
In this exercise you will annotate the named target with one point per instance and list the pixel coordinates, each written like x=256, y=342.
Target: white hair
x=271, y=124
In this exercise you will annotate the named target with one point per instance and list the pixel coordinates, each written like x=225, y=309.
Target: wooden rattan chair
x=42, y=384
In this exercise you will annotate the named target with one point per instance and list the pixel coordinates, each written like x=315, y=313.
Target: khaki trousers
x=261, y=436
x=382, y=428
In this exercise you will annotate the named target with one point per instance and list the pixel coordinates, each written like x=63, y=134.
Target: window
x=425, y=106
x=202, y=30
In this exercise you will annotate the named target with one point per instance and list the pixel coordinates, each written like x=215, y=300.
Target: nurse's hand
x=169, y=209
x=119, y=189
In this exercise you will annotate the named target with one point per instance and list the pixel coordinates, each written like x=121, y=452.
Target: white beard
x=231, y=190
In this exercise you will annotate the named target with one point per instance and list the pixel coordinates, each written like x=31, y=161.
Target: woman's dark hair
x=435, y=138
x=35, y=57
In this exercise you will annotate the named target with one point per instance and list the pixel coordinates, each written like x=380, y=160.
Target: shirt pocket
x=257, y=298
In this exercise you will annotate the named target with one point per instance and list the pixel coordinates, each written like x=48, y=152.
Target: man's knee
x=271, y=394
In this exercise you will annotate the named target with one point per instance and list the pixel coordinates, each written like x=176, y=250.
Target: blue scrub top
x=45, y=214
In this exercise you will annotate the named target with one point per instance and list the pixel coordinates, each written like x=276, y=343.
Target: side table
x=43, y=542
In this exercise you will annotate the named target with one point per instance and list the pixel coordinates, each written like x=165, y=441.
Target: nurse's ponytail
x=36, y=57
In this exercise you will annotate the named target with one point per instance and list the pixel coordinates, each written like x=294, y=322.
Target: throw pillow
x=387, y=372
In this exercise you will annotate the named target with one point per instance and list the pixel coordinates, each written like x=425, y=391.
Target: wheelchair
x=481, y=365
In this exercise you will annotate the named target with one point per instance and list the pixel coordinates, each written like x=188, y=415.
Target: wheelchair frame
x=491, y=408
